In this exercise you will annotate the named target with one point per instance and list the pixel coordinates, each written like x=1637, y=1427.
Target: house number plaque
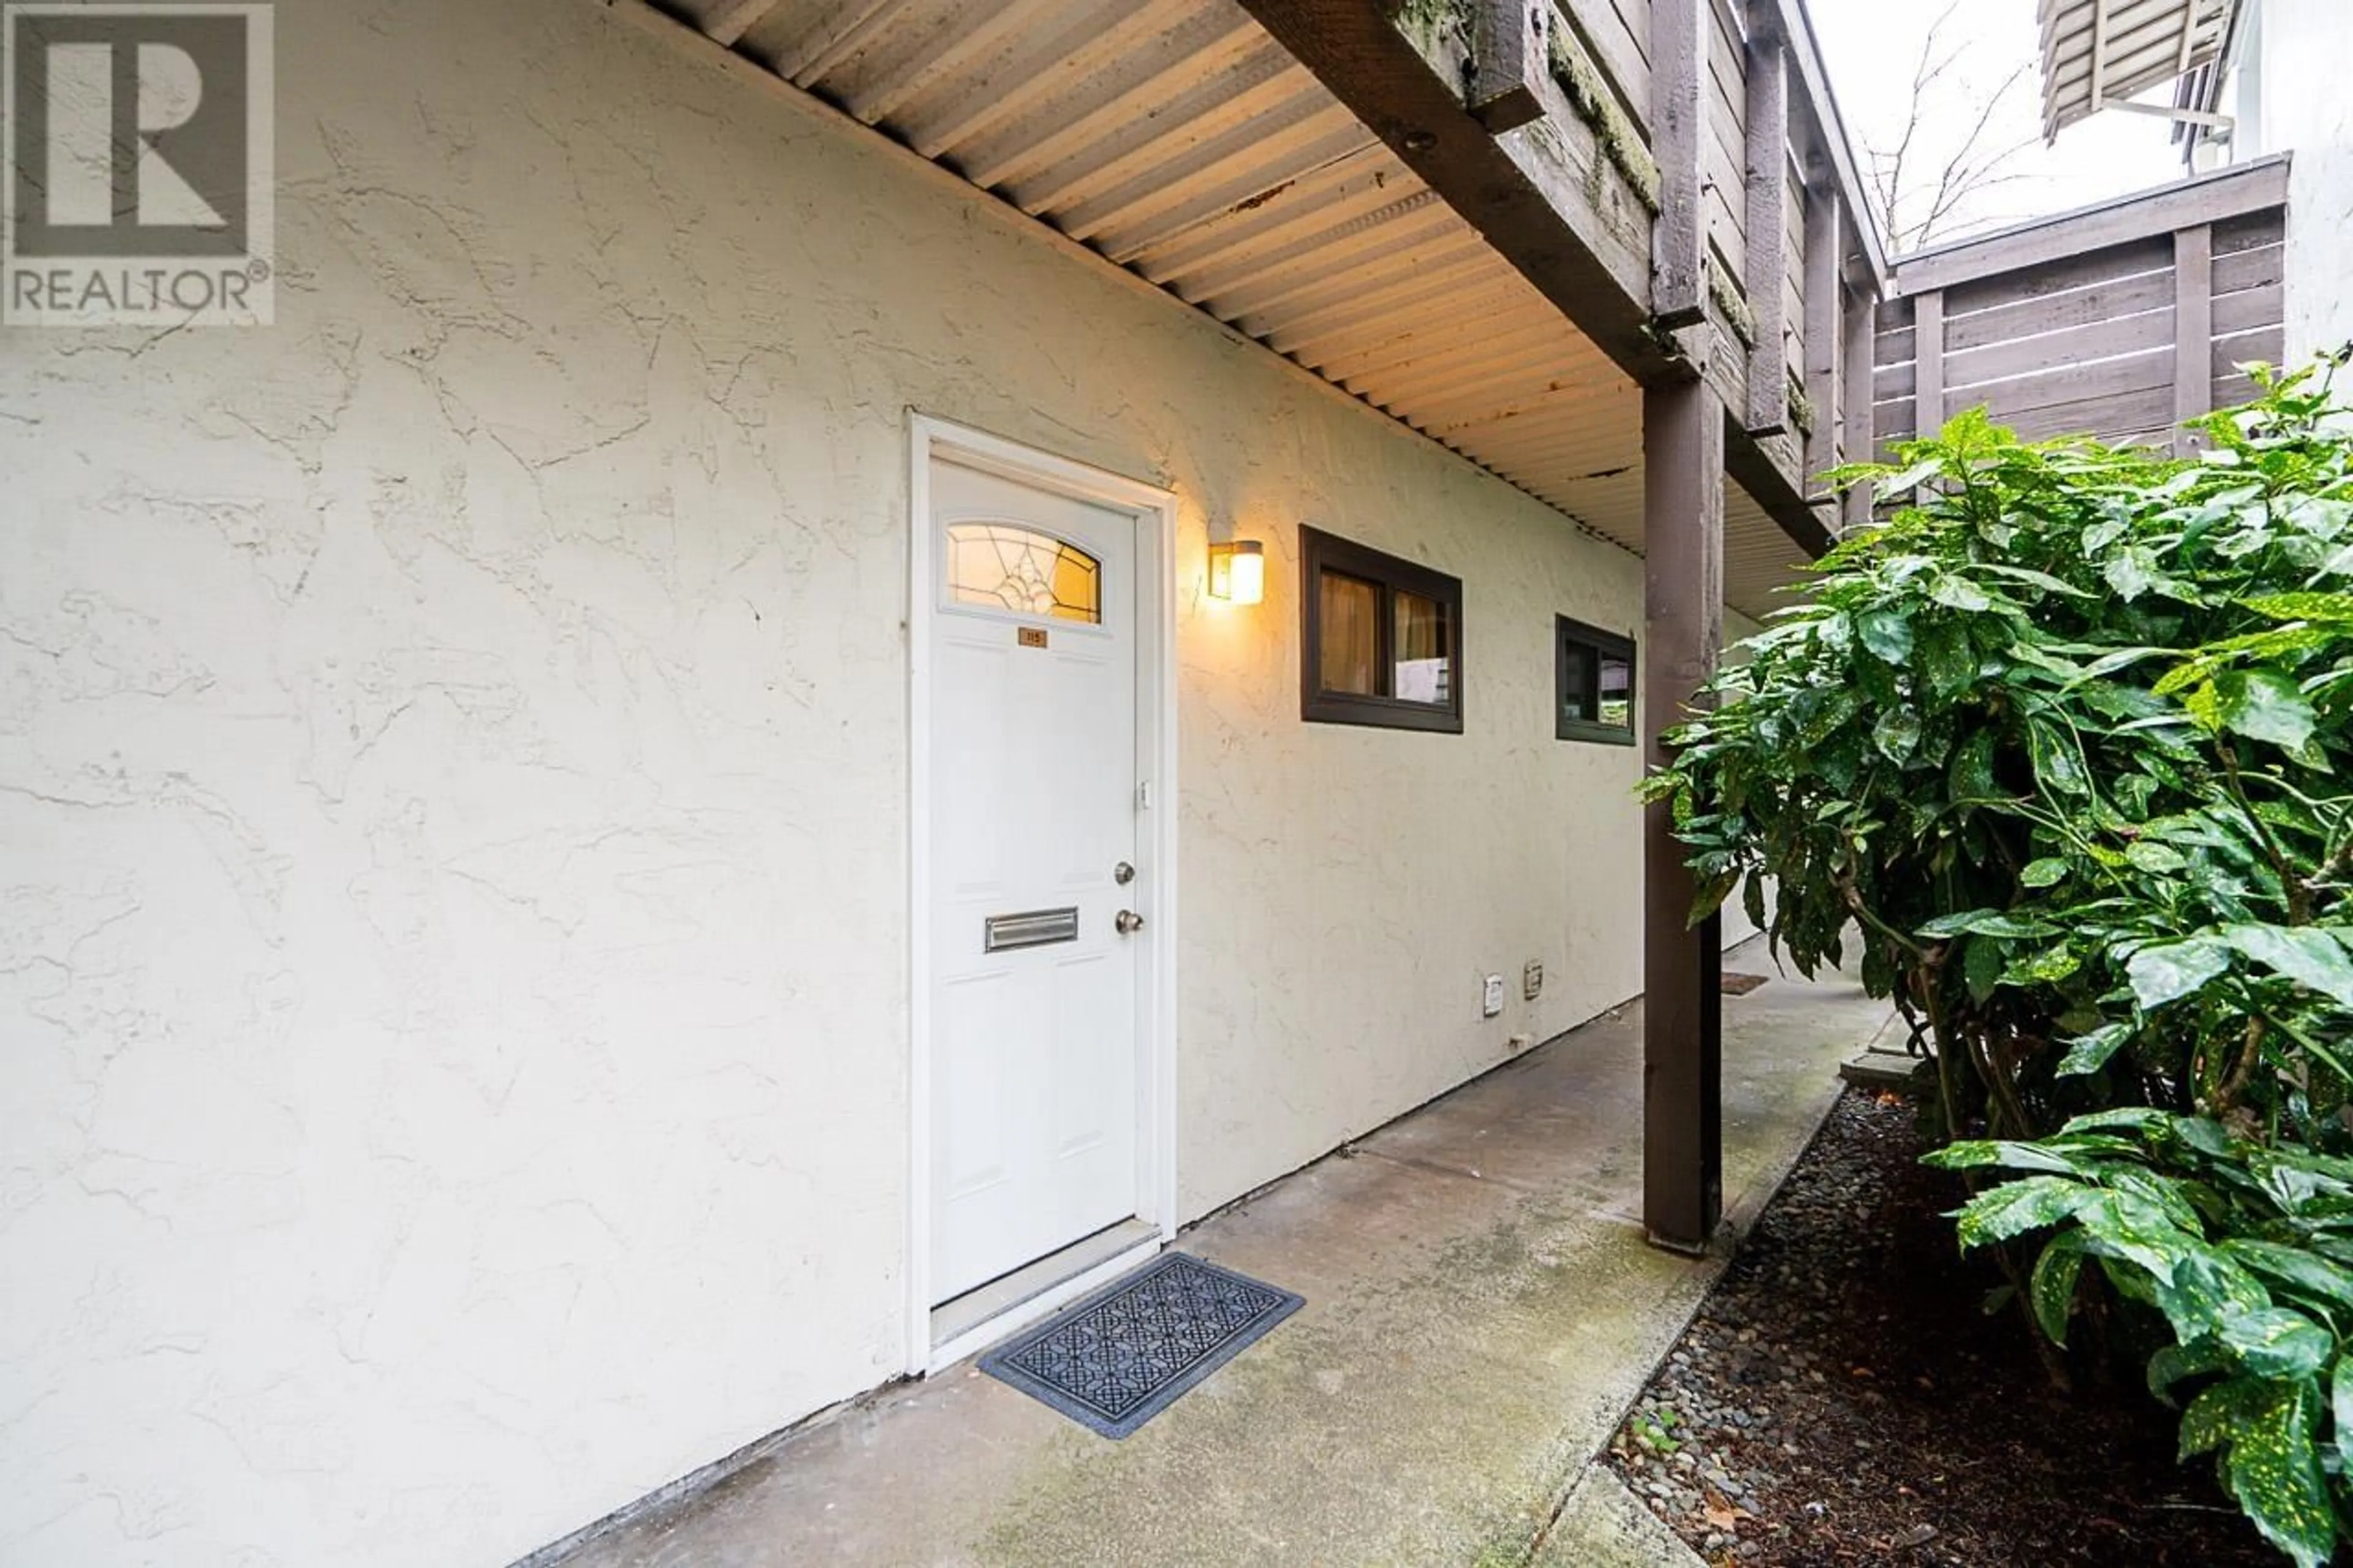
x=1032, y=637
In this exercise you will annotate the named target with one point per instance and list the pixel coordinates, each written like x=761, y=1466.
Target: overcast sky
x=1871, y=47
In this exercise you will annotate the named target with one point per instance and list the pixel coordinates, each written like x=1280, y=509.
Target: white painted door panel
x=1034, y=1114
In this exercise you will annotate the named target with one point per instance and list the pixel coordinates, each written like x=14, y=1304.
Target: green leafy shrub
x=2246, y=1251
x=2062, y=746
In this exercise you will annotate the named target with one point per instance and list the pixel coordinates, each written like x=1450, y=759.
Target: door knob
x=1129, y=922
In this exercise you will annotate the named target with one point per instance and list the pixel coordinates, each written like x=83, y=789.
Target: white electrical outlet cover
x=1492, y=998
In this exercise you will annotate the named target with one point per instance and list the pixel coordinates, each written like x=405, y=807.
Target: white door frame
x=1155, y=508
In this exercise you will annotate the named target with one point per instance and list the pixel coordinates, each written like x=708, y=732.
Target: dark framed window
x=1593, y=684
x=1380, y=639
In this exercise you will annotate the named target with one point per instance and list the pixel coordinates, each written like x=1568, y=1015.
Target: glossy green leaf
x=2051, y=1291
x=2340, y=1405
x=2332, y=608
x=1947, y=659
x=2174, y=1363
x=2016, y=1207
x=2263, y=705
x=2089, y=1053
x=2294, y=1267
x=2308, y=955
x=2136, y=1118
x=1913, y=477
x=1977, y=1153
x=2158, y=859
x=2047, y=871
x=2204, y=1290
x=1972, y=777
x=2057, y=762
x=2131, y=572
x=2277, y=1343
x=2171, y=971
x=1960, y=594
x=1896, y=734
x=2047, y=967
x=1887, y=634
x=1986, y=922
x=1983, y=959
x=2273, y=1471
x=2214, y=1416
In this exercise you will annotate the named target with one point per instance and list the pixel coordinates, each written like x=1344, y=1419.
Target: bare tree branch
x=1919, y=196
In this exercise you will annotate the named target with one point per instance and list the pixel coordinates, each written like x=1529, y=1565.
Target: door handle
x=1128, y=922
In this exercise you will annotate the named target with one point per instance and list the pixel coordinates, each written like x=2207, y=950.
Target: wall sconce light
x=1238, y=572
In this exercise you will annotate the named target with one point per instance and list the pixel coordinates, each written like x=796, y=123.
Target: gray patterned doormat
x=1116, y=1359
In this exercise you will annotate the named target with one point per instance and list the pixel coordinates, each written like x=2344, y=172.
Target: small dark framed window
x=1381, y=639
x=1593, y=684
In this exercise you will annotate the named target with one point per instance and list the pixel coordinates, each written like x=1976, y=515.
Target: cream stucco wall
x=2293, y=101
x=451, y=755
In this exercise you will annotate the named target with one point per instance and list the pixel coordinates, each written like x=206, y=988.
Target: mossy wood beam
x=1529, y=192
x=1596, y=102
x=1511, y=52
x=1679, y=30
x=1552, y=197
x=1766, y=176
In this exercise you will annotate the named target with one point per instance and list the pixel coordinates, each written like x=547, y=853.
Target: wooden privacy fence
x=2119, y=321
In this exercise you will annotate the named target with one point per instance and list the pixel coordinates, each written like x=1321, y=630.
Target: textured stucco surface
x=451, y=763
x=1481, y=1311
x=2307, y=111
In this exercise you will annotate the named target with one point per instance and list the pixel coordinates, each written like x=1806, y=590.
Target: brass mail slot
x=1037, y=928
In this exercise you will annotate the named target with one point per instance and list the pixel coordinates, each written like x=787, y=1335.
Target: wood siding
x=2090, y=339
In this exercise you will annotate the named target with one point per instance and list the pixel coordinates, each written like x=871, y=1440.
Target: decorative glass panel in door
x=1004, y=566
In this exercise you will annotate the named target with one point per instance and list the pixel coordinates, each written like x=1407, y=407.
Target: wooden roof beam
x=1521, y=194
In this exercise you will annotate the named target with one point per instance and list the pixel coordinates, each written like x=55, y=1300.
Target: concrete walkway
x=1480, y=1311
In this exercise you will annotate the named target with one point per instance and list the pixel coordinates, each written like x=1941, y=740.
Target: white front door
x=1033, y=830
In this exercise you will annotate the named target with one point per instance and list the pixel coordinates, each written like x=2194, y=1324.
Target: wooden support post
x=1766, y=175
x=1823, y=228
x=2193, y=333
x=1683, y=1045
x=1678, y=134
x=1859, y=426
x=1929, y=364
x=1510, y=57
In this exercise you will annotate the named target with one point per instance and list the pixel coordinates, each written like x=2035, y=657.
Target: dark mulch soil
x=1843, y=1398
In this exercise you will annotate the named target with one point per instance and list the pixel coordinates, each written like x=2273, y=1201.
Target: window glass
x=1423, y=665
x=1004, y=566
x=1579, y=682
x=1380, y=639
x=1350, y=625
x=1617, y=687
x=1594, y=673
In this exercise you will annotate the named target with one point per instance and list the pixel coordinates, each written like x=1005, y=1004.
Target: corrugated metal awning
x=2098, y=53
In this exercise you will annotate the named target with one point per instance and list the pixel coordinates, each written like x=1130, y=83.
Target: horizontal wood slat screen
x=2085, y=341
